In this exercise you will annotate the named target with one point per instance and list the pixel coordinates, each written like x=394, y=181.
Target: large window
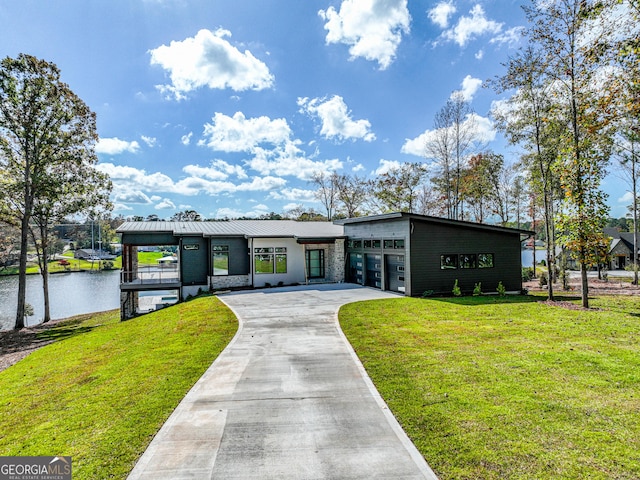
x=221, y=259
x=270, y=260
x=315, y=263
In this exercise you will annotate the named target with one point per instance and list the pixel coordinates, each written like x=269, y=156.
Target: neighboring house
x=91, y=254
x=399, y=252
x=620, y=248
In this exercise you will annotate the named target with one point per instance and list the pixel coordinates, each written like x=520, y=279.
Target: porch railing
x=151, y=275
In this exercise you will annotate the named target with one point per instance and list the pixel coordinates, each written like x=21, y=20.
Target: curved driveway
x=287, y=399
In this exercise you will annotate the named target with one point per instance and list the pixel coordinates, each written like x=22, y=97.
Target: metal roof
x=238, y=228
x=428, y=219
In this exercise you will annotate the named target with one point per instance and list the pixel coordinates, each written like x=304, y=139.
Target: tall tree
x=326, y=191
x=44, y=129
x=526, y=119
x=450, y=146
x=398, y=189
x=564, y=31
x=352, y=193
x=71, y=188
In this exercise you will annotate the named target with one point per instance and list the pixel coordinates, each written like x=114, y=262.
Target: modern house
x=400, y=252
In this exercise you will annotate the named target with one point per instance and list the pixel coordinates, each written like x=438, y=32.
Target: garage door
x=373, y=270
x=394, y=268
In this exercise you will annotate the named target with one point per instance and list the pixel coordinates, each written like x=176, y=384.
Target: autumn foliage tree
x=47, y=140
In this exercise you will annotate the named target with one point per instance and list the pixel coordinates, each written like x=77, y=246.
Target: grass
x=103, y=390
x=500, y=389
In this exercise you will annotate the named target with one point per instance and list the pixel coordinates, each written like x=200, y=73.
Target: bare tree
x=326, y=191
x=450, y=146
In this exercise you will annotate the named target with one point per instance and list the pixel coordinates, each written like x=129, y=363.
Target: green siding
x=194, y=263
x=148, y=239
x=238, y=254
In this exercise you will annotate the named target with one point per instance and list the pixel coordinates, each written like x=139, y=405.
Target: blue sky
x=228, y=107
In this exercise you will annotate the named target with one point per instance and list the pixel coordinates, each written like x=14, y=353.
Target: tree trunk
x=22, y=272
x=585, y=285
x=44, y=271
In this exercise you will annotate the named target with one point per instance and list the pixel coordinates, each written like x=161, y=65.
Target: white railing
x=151, y=275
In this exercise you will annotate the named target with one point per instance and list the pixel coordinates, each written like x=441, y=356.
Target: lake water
x=69, y=294
x=527, y=257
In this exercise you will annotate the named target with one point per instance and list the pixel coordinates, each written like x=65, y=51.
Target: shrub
x=456, y=289
x=527, y=274
x=477, y=289
x=501, y=290
x=543, y=281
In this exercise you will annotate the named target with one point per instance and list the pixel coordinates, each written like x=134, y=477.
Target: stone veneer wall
x=229, y=281
x=335, y=264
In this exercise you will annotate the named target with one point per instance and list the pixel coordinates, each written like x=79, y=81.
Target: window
x=357, y=244
x=372, y=244
x=263, y=263
x=397, y=244
x=266, y=262
x=220, y=260
x=281, y=263
x=315, y=263
x=388, y=244
x=448, y=262
x=485, y=260
x=468, y=260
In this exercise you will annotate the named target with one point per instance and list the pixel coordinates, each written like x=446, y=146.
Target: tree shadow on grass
x=28, y=339
x=475, y=301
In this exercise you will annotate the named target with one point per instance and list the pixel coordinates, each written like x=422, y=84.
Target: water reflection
x=69, y=294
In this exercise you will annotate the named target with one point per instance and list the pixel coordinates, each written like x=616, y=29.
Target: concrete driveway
x=287, y=399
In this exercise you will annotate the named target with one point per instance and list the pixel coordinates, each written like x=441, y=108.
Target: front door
x=315, y=263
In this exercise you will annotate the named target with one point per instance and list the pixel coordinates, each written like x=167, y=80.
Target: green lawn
x=103, y=390
x=491, y=388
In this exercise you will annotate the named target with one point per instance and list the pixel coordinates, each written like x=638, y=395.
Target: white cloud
x=441, y=12
x=186, y=139
x=290, y=161
x=218, y=170
x=485, y=133
x=469, y=86
x=132, y=196
x=358, y=168
x=386, y=165
x=227, y=212
x=165, y=204
x=336, y=119
x=293, y=194
x=268, y=141
x=150, y=141
x=468, y=28
x=479, y=54
x=115, y=146
x=239, y=134
x=511, y=37
x=627, y=198
x=209, y=60
x=372, y=28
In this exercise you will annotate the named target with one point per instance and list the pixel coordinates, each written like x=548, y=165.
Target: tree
x=44, y=129
x=352, y=193
x=186, y=216
x=454, y=136
x=563, y=31
x=398, y=189
x=526, y=119
x=327, y=191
